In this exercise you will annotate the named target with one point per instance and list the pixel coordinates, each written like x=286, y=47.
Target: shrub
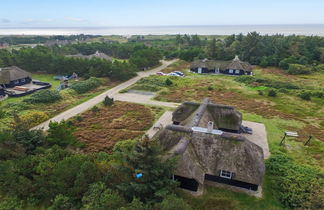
x=44, y=96
x=210, y=88
x=260, y=92
x=299, y=69
x=108, y=101
x=319, y=67
x=168, y=82
x=11, y=203
x=272, y=93
x=34, y=118
x=296, y=185
x=61, y=134
x=305, y=96
x=95, y=109
x=86, y=85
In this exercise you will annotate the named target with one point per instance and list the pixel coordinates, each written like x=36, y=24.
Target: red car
x=160, y=73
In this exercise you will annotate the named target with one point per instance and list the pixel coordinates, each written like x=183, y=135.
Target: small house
x=234, y=67
x=14, y=76
x=210, y=149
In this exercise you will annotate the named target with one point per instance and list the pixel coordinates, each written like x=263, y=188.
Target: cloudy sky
x=93, y=13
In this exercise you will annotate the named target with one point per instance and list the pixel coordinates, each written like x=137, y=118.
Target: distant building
x=234, y=67
x=14, y=76
x=95, y=55
x=209, y=147
x=57, y=42
x=4, y=45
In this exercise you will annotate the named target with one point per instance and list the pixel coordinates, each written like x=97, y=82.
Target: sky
x=106, y=13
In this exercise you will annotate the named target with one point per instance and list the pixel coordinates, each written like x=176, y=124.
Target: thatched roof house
x=233, y=67
x=205, y=138
x=95, y=55
x=14, y=76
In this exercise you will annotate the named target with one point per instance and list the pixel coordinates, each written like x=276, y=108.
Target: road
x=114, y=92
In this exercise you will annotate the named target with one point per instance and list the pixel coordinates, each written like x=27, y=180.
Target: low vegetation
x=102, y=128
x=86, y=85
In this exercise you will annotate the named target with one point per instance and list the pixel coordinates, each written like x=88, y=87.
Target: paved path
x=111, y=93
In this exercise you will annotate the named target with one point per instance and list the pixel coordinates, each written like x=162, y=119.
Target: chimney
x=210, y=126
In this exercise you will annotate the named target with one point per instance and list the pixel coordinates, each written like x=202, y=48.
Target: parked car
x=174, y=74
x=160, y=73
x=179, y=73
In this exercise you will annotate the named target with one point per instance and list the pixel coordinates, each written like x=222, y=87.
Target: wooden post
x=283, y=139
x=308, y=141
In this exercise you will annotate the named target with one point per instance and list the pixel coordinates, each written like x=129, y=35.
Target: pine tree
x=149, y=173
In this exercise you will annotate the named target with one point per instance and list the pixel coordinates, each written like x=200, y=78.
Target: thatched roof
x=95, y=55
x=236, y=63
x=12, y=73
x=209, y=64
x=203, y=153
x=225, y=117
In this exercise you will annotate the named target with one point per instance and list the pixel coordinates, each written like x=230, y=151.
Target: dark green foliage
x=108, y=101
x=44, y=96
x=95, y=109
x=298, y=69
x=145, y=58
x=155, y=183
x=86, y=85
x=168, y=82
x=297, y=185
x=61, y=202
x=60, y=133
x=272, y=93
x=21, y=134
x=305, y=95
x=210, y=88
x=100, y=197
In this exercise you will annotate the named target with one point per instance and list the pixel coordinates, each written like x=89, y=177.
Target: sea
x=307, y=30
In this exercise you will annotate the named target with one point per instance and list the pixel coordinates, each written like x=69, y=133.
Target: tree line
x=54, y=60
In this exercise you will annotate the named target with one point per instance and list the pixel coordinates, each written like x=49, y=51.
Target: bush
x=272, y=93
x=305, y=96
x=297, y=186
x=61, y=134
x=95, y=109
x=210, y=88
x=86, y=85
x=44, y=96
x=34, y=118
x=260, y=92
x=319, y=67
x=108, y=101
x=168, y=82
x=299, y=69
